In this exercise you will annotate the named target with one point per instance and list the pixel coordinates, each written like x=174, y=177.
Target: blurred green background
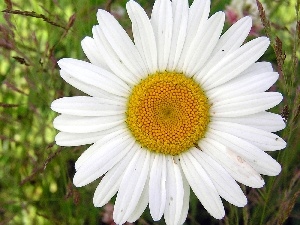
x=36, y=175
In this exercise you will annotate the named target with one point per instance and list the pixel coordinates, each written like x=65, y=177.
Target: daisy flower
x=181, y=106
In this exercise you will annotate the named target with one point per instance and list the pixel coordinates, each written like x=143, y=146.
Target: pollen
x=167, y=113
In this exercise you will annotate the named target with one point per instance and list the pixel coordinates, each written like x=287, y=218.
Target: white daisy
x=182, y=106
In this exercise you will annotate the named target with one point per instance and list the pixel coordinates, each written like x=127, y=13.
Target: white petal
x=230, y=41
x=112, y=59
x=94, y=76
x=118, y=132
x=102, y=160
x=180, y=20
x=243, y=85
x=202, y=185
x=85, y=87
x=141, y=206
x=234, y=37
x=258, y=159
x=198, y=14
x=245, y=105
x=157, y=186
x=175, y=192
x=92, y=52
x=258, y=68
x=266, y=141
x=202, y=46
x=143, y=35
x=71, y=139
x=121, y=50
x=263, y=120
x=254, y=70
x=88, y=106
x=84, y=124
x=235, y=165
x=110, y=183
x=223, y=182
x=162, y=22
x=132, y=186
x=186, y=199
x=233, y=64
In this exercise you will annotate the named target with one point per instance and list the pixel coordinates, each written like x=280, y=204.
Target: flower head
x=181, y=106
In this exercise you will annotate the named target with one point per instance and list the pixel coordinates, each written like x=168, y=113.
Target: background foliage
x=36, y=175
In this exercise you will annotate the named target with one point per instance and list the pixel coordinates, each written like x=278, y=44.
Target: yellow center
x=167, y=113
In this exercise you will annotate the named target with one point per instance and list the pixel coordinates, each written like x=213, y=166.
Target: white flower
x=246, y=6
x=183, y=106
x=238, y=9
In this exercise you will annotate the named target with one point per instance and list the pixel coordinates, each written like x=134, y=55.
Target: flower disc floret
x=167, y=112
